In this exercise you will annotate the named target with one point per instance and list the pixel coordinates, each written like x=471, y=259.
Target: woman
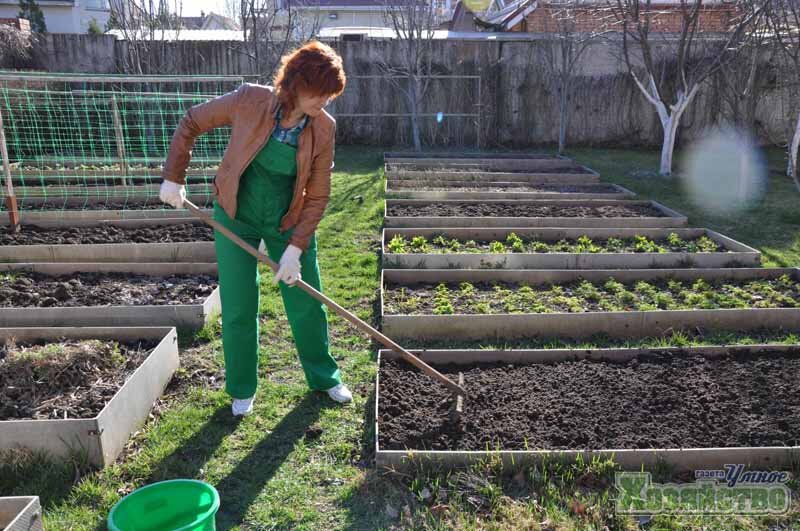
x=273, y=183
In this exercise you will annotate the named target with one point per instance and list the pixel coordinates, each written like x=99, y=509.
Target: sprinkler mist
x=725, y=172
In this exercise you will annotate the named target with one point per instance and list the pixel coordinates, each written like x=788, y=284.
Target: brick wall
x=19, y=23
x=664, y=19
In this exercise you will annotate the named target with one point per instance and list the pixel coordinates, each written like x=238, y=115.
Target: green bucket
x=175, y=505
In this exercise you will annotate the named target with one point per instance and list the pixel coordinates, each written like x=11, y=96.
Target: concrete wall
x=518, y=99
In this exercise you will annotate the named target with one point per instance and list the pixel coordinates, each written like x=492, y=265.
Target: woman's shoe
x=242, y=406
x=340, y=394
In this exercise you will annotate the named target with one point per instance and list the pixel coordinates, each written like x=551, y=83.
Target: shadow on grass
x=239, y=489
x=193, y=454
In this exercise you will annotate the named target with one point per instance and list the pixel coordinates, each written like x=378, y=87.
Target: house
x=355, y=13
x=64, y=16
x=211, y=21
x=541, y=16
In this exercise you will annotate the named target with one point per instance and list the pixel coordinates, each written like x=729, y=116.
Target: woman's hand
x=289, y=266
x=172, y=193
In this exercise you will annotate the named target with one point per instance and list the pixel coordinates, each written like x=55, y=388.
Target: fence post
x=11, y=198
x=120, y=140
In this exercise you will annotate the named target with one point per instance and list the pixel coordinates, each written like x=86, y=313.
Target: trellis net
x=99, y=142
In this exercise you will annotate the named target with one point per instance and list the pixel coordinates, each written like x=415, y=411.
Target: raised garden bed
x=483, y=164
x=103, y=192
x=530, y=177
x=500, y=165
x=507, y=304
x=21, y=513
x=562, y=249
x=400, y=189
x=167, y=240
x=108, y=294
x=643, y=407
x=470, y=155
x=81, y=389
x=413, y=213
x=103, y=202
x=75, y=218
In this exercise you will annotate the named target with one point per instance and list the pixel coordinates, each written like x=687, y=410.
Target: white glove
x=172, y=193
x=289, y=266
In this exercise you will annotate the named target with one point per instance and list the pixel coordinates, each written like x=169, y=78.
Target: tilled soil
x=442, y=167
x=183, y=232
x=515, y=187
x=133, y=204
x=64, y=380
x=523, y=211
x=32, y=290
x=657, y=400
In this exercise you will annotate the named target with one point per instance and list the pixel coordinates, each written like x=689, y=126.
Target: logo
x=732, y=490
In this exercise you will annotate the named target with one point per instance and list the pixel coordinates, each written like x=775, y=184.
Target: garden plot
x=435, y=190
x=522, y=248
x=556, y=175
x=428, y=304
x=81, y=389
x=481, y=164
x=414, y=213
x=108, y=294
x=21, y=513
x=104, y=174
x=168, y=240
x=115, y=192
x=103, y=202
x=469, y=155
x=91, y=217
x=643, y=407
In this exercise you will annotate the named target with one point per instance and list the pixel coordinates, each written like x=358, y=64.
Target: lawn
x=301, y=462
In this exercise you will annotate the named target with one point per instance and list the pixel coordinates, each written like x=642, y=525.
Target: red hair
x=314, y=69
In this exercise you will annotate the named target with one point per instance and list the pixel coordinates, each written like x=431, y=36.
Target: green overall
x=265, y=192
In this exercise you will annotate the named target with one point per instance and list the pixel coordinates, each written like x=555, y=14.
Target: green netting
x=99, y=142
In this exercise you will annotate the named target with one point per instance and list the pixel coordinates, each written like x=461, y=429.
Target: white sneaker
x=340, y=394
x=242, y=406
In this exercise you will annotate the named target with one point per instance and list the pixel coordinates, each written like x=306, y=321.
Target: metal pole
x=11, y=198
x=123, y=165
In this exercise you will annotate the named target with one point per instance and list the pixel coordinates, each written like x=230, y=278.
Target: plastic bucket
x=175, y=505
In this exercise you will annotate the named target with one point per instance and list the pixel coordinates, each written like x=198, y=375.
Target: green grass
x=272, y=475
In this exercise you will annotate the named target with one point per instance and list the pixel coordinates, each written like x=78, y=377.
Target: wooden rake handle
x=330, y=303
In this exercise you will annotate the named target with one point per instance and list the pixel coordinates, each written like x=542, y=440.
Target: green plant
x=496, y=247
x=588, y=291
x=419, y=244
x=397, y=244
x=94, y=28
x=515, y=243
x=466, y=289
x=585, y=244
x=642, y=244
x=706, y=245
x=440, y=240
x=539, y=247
x=615, y=244
x=30, y=10
x=674, y=240
x=441, y=301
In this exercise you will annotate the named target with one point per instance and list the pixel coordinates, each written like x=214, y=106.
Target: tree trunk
x=670, y=127
x=413, y=104
x=562, y=119
x=794, y=147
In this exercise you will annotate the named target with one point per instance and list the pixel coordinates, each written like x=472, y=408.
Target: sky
x=192, y=8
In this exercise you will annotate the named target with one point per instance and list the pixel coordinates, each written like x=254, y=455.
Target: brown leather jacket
x=251, y=112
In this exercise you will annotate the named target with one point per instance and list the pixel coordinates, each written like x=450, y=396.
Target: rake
x=456, y=388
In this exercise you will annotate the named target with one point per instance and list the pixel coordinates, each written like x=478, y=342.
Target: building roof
x=211, y=21
x=187, y=35
x=345, y=4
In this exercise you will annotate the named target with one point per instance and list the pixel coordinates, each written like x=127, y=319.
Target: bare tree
x=566, y=49
x=785, y=25
x=232, y=9
x=16, y=47
x=270, y=27
x=146, y=26
x=673, y=65
x=413, y=23
x=741, y=82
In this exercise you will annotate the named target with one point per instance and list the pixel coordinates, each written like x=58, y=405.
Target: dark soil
x=443, y=167
x=30, y=290
x=134, y=204
x=657, y=400
x=68, y=379
x=523, y=211
x=184, y=232
x=516, y=187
